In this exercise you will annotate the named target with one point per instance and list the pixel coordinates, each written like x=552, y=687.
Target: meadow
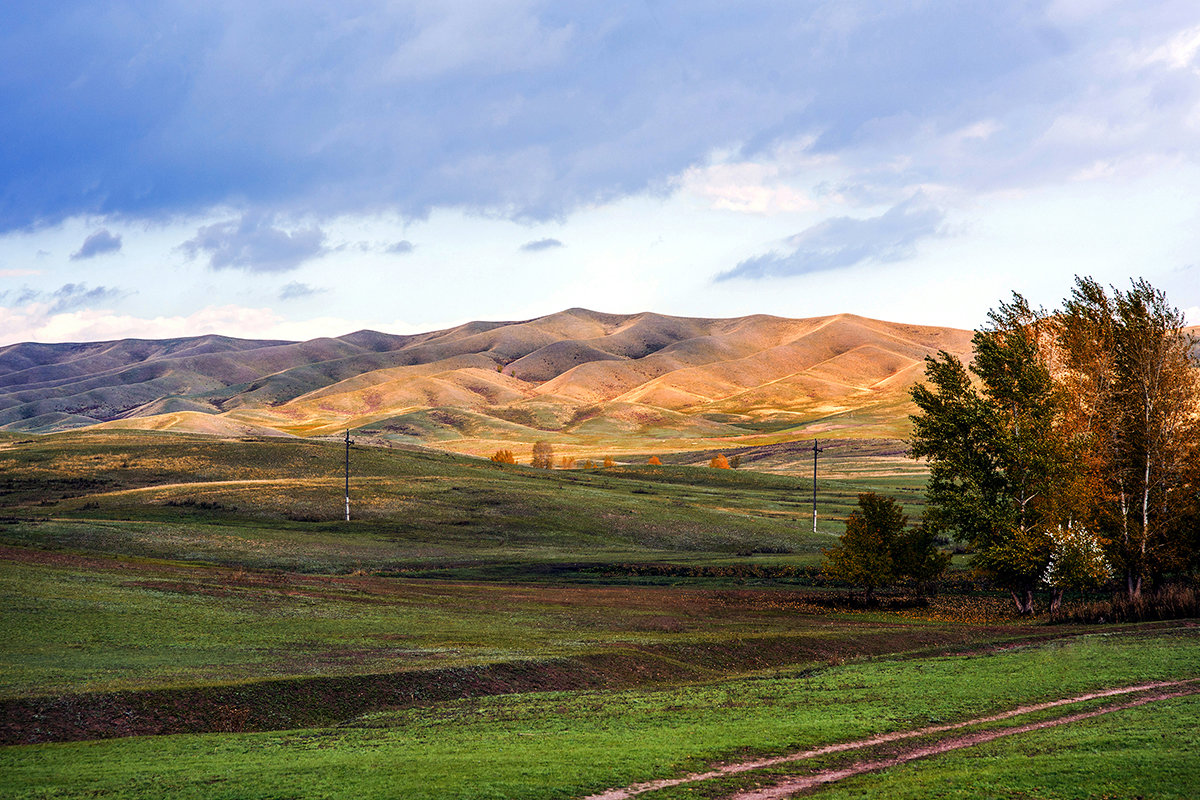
x=483, y=630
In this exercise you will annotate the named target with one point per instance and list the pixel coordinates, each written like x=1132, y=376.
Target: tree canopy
x=1077, y=426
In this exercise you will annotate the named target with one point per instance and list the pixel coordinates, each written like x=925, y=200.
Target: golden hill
x=587, y=381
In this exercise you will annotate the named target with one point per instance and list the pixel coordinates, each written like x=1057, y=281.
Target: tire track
x=799, y=784
x=792, y=786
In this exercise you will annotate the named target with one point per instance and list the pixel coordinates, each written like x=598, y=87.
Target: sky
x=286, y=169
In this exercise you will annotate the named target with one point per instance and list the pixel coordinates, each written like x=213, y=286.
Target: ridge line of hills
x=581, y=378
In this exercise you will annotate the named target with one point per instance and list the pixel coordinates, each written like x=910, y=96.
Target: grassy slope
x=567, y=744
x=278, y=503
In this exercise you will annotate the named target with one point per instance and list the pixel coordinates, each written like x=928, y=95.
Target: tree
x=504, y=457
x=735, y=462
x=1076, y=562
x=916, y=558
x=879, y=550
x=719, y=462
x=566, y=462
x=1129, y=365
x=655, y=461
x=997, y=456
x=543, y=455
x=608, y=462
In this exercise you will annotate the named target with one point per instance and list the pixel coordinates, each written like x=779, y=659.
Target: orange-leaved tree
x=655, y=461
x=504, y=457
x=543, y=455
x=719, y=462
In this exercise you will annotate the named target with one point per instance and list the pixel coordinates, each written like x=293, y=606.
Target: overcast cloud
x=533, y=108
x=668, y=141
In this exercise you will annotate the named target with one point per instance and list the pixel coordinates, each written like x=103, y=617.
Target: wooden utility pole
x=347, y=474
x=815, y=451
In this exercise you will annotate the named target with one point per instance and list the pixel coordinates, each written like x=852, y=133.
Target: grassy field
x=570, y=744
x=481, y=630
x=277, y=503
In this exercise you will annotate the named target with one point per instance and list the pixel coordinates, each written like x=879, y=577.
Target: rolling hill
x=588, y=382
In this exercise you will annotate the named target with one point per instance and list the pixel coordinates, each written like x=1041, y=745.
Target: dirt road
x=1148, y=693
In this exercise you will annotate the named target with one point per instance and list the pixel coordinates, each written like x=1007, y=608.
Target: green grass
x=1146, y=752
x=74, y=624
x=420, y=498
x=565, y=744
x=277, y=504
x=137, y=561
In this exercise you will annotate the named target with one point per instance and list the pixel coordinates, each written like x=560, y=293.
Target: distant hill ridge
x=579, y=377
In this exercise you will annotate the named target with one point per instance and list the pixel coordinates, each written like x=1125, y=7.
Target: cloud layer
x=529, y=108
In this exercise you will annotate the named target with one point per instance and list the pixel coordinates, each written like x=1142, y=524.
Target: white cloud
x=753, y=187
x=1178, y=52
x=39, y=322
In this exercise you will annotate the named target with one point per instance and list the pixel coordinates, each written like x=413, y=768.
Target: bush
x=504, y=457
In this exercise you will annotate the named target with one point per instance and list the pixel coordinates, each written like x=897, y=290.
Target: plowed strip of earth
x=1153, y=691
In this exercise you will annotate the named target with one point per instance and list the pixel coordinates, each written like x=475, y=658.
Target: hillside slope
x=586, y=380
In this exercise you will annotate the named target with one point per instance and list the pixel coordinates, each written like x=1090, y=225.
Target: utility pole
x=815, y=451
x=348, y=475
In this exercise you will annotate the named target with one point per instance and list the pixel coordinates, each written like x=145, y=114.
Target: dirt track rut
x=1156, y=691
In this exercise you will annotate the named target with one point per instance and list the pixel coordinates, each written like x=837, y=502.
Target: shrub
x=719, y=462
x=1170, y=602
x=504, y=457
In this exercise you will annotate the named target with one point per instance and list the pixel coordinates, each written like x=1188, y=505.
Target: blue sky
x=291, y=169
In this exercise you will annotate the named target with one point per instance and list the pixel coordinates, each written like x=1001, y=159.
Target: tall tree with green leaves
x=996, y=454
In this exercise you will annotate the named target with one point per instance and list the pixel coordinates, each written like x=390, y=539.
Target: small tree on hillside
x=608, y=462
x=735, y=462
x=543, y=455
x=655, y=461
x=719, y=462
x=504, y=457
